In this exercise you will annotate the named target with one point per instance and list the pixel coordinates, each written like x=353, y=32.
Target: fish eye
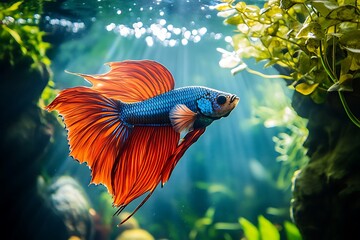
x=221, y=100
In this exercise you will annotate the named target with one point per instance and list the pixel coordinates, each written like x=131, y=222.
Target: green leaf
x=234, y=20
x=13, y=7
x=350, y=38
x=250, y=231
x=312, y=44
x=324, y=7
x=344, y=13
x=345, y=78
x=354, y=50
x=326, y=23
x=210, y=213
x=223, y=7
x=305, y=88
x=344, y=84
x=226, y=226
x=271, y=62
x=17, y=38
x=311, y=30
x=267, y=230
x=243, y=28
x=286, y=4
x=273, y=29
x=14, y=34
x=304, y=60
x=240, y=6
x=355, y=63
x=240, y=41
x=345, y=65
x=292, y=232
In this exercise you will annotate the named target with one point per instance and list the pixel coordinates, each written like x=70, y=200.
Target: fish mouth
x=233, y=98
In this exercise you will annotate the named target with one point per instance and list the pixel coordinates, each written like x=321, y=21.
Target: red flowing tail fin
x=95, y=133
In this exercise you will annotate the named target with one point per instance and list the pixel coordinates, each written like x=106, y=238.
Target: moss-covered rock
x=326, y=194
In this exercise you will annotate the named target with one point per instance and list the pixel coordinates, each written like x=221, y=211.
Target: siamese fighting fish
x=127, y=125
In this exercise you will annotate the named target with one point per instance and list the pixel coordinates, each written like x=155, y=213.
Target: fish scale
x=155, y=111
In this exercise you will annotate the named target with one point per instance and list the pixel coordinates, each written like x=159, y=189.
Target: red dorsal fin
x=95, y=132
x=182, y=118
x=132, y=81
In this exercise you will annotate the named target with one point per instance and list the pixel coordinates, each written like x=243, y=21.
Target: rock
x=68, y=201
x=326, y=192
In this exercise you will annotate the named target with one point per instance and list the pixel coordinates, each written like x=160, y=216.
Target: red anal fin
x=132, y=81
x=95, y=132
x=187, y=141
x=139, y=166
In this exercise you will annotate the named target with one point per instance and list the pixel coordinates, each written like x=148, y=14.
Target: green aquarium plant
x=315, y=42
x=275, y=111
x=267, y=230
x=20, y=29
x=206, y=228
x=315, y=45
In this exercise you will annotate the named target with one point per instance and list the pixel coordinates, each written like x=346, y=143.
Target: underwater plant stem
x=267, y=76
x=333, y=53
x=325, y=65
x=350, y=115
x=307, y=8
x=292, y=42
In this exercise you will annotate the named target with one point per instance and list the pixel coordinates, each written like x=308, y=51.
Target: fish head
x=216, y=104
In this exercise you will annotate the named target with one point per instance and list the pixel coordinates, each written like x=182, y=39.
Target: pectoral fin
x=182, y=118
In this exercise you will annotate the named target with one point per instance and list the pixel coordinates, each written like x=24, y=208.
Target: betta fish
x=127, y=126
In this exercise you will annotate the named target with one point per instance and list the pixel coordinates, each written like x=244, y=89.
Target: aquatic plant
x=20, y=29
x=268, y=231
x=275, y=111
x=315, y=42
x=206, y=227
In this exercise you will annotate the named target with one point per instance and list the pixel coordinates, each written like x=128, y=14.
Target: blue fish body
x=156, y=111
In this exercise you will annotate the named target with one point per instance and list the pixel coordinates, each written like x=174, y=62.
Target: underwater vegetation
x=206, y=228
x=275, y=111
x=315, y=46
x=316, y=43
x=267, y=231
x=20, y=29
